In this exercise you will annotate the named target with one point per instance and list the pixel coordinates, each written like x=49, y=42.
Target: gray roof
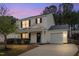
x=53, y=27
x=35, y=16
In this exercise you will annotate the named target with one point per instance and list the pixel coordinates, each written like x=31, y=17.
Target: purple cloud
x=22, y=10
x=21, y=13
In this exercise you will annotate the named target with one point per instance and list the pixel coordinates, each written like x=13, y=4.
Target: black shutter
x=36, y=20
x=40, y=20
x=21, y=36
x=29, y=35
x=29, y=23
x=21, y=24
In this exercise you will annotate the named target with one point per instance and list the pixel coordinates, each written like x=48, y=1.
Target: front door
x=38, y=37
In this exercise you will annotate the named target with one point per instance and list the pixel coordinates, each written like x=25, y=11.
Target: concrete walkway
x=53, y=50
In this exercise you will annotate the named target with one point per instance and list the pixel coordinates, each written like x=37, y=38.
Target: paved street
x=53, y=50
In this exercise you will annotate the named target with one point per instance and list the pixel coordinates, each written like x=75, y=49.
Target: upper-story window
x=38, y=20
x=25, y=24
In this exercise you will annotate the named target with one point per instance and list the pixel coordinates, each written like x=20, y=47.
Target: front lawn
x=16, y=49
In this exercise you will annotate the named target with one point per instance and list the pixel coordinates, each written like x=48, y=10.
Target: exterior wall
x=65, y=37
x=18, y=24
x=47, y=21
x=50, y=20
x=46, y=36
x=33, y=38
x=1, y=38
x=34, y=25
x=13, y=35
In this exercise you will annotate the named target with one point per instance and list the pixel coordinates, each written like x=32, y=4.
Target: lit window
x=38, y=20
x=25, y=35
x=25, y=24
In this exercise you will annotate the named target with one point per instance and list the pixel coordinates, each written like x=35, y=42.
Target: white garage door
x=56, y=38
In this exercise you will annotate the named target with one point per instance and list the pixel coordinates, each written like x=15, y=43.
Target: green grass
x=2, y=53
x=16, y=49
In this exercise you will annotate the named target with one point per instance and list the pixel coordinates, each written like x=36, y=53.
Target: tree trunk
x=70, y=31
x=5, y=42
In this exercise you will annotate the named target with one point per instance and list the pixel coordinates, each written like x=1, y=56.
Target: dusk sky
x=23, y=10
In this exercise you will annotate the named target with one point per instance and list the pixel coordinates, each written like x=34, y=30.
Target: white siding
x=18, y=24
x=65, y=37
x=33, y=38
x=47, y=21
x=34, y=25
x=52, y=36
x=55, y=36
x=13, y=35
x=50, y=20
x=45, y=37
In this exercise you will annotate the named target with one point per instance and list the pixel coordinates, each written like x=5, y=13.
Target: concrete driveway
x=53, y=50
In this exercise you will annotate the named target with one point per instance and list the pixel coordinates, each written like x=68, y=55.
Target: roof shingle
x=58, y=27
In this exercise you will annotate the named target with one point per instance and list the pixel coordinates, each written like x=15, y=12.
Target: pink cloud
x=22, y=13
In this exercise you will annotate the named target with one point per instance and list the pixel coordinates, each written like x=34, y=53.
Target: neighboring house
x=40, y=29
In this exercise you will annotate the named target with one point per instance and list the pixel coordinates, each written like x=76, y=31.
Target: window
x=25, y=35
x=25, y=24
x=38, y=20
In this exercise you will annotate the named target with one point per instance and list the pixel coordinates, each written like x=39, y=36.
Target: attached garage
x=55, y=36
x=58, y=34
x=59, y=37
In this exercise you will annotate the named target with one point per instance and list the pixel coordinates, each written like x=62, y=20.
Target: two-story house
x=40, y=29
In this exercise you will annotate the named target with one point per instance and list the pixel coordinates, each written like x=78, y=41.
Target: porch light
x=64, y=34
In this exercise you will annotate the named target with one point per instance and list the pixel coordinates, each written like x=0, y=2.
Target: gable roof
x=35, y=16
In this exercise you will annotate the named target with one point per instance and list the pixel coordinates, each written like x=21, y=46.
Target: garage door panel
x=56, y=37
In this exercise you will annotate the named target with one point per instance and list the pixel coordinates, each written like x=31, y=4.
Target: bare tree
x=3, y=10
x=50, y=9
